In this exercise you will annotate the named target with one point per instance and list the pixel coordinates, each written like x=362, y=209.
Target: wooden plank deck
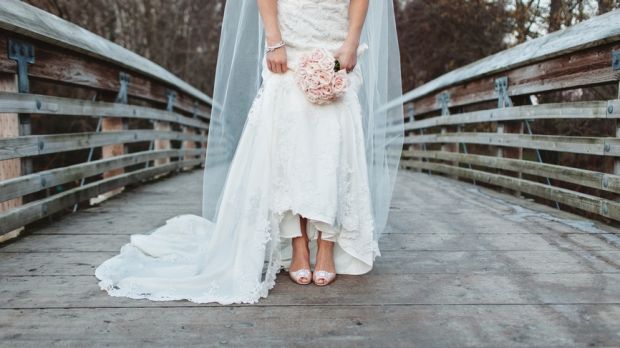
x=461, y=266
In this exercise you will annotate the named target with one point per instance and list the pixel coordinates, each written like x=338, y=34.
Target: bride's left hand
x=347, y=56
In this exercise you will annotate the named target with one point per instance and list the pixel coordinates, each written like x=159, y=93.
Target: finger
x=269, y=66
x=278, y=68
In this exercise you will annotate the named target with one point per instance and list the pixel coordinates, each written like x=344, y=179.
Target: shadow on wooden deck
x=461, y=266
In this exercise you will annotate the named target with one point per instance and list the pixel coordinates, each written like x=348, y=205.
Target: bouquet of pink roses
x=320, y=78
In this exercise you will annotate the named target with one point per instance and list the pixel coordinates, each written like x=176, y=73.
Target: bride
x=288, y=184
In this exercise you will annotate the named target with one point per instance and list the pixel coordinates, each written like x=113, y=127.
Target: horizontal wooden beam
x=60, y=66
x=40, y=104
x=23, y=185
x=574, y=110
x=45, y=144
x=27, y=20
x=588, y=178
x=598, y=31
x=577, y=70
x=603, y=146
x=36, y=210
x=574, y=199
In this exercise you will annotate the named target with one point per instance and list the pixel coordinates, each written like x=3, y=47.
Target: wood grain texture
x=55, y=64
x=23, y=185
x=586, y=202
x=11, y=168
x=568, y=110
x=162, y=144
x=112, y=149
x=600, y=31
x=589, y=178
x=27, y=20
x=602, y=146
x=44, y=144
x=48, y=105
x=39, y=209
x=591, y=67
x=465, y=267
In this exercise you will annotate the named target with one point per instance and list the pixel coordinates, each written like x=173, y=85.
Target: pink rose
x=314, y=81
x=313, y=95
x=324, y=78
x=327, y=63
x=302, y=72
x=339, y=82
x=317, y=55
x=317, y=79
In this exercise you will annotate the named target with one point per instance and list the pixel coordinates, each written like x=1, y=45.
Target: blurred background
x=436, y=36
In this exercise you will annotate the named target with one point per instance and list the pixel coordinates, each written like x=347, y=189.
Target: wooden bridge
x=501, y=230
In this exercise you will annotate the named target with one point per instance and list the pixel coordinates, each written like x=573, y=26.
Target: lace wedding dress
x=293, y=158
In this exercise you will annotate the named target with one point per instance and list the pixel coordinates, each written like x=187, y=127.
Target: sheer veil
x=238, y=78
x=190, y=256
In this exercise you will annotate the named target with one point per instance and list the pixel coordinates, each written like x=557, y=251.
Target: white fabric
x=239, y=76
x=293, y=157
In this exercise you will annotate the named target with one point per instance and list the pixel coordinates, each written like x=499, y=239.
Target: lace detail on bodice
x=308, y=24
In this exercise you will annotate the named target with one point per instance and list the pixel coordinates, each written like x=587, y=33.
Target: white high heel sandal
x=302, y=273
x=327, y=277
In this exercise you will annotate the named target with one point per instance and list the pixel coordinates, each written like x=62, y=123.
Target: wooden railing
x=81, y=117
x=538, y=120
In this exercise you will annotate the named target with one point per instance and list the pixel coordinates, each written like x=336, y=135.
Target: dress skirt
x=293, y=159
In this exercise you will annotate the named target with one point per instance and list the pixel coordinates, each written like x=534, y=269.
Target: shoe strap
x=324, y=274
x=304, y=272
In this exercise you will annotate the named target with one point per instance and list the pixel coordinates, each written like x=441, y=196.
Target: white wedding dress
x=293, y=158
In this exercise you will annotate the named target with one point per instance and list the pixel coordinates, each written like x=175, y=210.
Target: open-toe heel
x=326, y=277
x=302, y=273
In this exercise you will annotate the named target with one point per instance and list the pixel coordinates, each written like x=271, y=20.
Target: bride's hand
x=277, y=60
x=347, y=56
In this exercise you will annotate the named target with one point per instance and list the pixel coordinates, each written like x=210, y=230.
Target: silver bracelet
x=276, y=46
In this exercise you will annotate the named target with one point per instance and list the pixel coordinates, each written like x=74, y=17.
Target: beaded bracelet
x=276, y=46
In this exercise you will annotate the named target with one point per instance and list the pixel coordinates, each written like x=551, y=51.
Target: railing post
x=615, y=65
x=23, y=54
x=411, y=115
x=443, y=100
x=203, y=147
x=411, y=118
x=504, y=101
x=113, y=124
x=164, y=144
x=12, y=168
x=14, y=125
x=189, y=144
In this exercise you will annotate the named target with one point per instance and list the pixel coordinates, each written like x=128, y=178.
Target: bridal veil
x=238, y=78
x=231, y=254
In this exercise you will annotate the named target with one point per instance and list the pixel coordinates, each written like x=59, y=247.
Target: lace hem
x=254, y=294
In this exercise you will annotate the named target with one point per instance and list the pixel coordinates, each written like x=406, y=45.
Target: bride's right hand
x=277, y=60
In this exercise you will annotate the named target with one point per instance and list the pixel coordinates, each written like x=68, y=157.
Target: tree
x=526, y=14
x=607, y=5
x=437, y=36
x=180, y=35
